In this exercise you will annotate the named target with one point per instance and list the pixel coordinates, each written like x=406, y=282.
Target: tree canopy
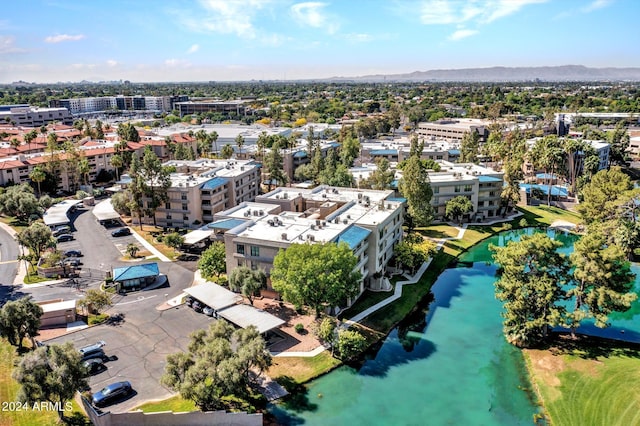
x=416, y=188
x=599, y=197
x=247, y=281
x=212, y=262
x=317, y=275
x=19, y=319
x=218, y=365
x=51, y=373
x=457, y=207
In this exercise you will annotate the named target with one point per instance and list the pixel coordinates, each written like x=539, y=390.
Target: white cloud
x=445, y=12
x=7, y=45
x=460, y=34
x=112, y=63
x=311, y=14
x=359, y=37
x=225, y=17
x=595, y=5
x=193, y=49
x=63, y=37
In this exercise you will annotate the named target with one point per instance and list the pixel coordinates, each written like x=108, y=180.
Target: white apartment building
x=36, y=117
x=201, y=188
x=369, y=221
x=453, y=129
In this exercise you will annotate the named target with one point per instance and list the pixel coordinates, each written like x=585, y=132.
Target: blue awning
x=484, y=179
x=214, y=183
x=300, y=154
x=135, y=271
x=353, y=236
x=384, y=152
x=397, y=199
x=546, y=176
x=454, y=152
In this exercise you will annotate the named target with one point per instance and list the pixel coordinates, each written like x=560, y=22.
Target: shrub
x=523, y=223
x=299, y=328
x=97, y=319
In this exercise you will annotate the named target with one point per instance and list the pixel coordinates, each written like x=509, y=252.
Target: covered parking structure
x=58, y=214
x=226, y=304
x=104, y=212
x=246, y=315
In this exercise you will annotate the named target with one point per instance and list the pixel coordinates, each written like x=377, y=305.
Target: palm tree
x=84, y=168
x=547, y=154
x=116, y=162
x=14, y=142
x=38, y=175
x=239, y=143
x=29, y=137
x=214, y=138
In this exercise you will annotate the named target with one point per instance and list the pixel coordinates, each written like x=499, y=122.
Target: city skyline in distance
x=48, y=41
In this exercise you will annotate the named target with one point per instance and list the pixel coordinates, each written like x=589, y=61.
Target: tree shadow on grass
x=76, y=419
x=591, y=347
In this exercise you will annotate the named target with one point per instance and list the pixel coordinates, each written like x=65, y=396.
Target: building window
x=183, y=196
x=457, y=188
x=467, y=188
x=185, y=207
x=436, y=189
x=167, y=206
x=240, y=249
x=255, y=251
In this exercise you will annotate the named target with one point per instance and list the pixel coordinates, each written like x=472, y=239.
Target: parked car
x=99, y=354
x=121, y=232
x=197, y=306
x=188, y=300
x=94, y=366
x=62, y=230
x=111, y=393
x=85, y=351
x=208, y=310
x=111, y=223
x=73, y=253
x=64, y=237
x=71, y=261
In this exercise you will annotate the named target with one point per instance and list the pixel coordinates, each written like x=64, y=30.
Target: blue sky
x=156, y=40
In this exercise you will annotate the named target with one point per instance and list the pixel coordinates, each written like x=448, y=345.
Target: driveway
x=138, y=346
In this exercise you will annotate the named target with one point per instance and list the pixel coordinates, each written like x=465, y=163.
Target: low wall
x=168, y=418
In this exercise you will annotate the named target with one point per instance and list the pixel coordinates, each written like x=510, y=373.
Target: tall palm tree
x=84, y=168
x=240, y=143
x=117, y=162
x=29, y=137
x=214, y=138
x=38, y=175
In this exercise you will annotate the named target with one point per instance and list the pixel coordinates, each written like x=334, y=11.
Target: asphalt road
x=139, y=343
x=138, y=346
x=8, y=266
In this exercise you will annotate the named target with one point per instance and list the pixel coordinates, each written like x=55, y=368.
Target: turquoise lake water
x=447, y=364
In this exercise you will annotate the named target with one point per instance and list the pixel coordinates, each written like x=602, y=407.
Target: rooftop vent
x=284, y=236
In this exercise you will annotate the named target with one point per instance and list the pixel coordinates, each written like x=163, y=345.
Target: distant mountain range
x=506, y=74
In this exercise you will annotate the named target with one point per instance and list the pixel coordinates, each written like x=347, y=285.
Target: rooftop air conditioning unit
x=261, y=212
x=270, y=222
x=345, y=221
x=284, y=236
x=277, y=197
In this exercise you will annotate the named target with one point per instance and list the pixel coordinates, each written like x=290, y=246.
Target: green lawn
x=545, y=215
x=596, y=386
x=175, y=404
x=9, y=390
x=301, y=369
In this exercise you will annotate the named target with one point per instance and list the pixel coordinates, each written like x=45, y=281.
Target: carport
x=245, y=315
x=104, y=211
x=197, y=236
x=213, y=295
x=57, y=214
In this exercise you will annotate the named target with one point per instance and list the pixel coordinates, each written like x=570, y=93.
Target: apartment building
x=234, y=107
x=36, y=117
x=453, y=130
x=399, y=149
x=369, y=221
x=481, y=185
x=120, y=102
x=201, y=188
x=16, y=168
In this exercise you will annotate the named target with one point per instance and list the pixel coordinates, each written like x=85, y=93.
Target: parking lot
x=137, y=347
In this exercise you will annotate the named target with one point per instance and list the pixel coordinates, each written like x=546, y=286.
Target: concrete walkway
x=147, y=245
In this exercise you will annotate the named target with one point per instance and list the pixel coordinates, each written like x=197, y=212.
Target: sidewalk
x=147, y=245
x=22, y=270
